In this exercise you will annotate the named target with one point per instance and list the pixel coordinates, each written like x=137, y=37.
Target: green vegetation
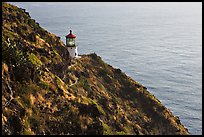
x=44, y=85
x=11, y=54
x=45, y=60
x=106, y=129
x=50, y=97
x=121, y=133
x=57, y=56
x=34, y=59
x=26, y=128
x=98, y=107
x=83, y=82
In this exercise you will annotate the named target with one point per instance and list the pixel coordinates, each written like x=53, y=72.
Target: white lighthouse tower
x=71, y=45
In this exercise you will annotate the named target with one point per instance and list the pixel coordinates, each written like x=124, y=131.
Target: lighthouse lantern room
x=71, y=44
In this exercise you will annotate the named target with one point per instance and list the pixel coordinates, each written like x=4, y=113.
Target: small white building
x=71, y=44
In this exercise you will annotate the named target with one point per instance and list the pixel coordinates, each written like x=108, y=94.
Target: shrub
x=106, y=129
x=34, y=59
x=100, y=109
x=45, y=60
x=11, y=53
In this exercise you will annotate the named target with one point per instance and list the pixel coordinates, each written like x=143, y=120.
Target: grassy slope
x=50, y=97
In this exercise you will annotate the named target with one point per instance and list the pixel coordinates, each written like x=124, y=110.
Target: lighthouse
x=71, y=44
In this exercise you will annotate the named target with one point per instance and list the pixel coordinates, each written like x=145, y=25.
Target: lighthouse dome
x=70, y=35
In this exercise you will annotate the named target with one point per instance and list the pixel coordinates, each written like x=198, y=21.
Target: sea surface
x=157, y=44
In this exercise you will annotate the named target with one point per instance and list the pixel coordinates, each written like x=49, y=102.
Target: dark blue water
x=157, y=44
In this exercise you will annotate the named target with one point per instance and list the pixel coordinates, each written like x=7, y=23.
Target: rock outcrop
x=44, y=92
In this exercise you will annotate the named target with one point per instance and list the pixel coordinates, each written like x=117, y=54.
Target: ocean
x=157, y=44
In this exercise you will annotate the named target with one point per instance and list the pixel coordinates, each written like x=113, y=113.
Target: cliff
x=44, y=92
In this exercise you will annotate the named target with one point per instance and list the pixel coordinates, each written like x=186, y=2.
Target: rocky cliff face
x=44, y=92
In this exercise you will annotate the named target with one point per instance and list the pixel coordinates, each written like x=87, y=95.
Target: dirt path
x=75, y=63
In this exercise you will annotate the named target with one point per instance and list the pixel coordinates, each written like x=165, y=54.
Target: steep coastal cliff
x=44, y=92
